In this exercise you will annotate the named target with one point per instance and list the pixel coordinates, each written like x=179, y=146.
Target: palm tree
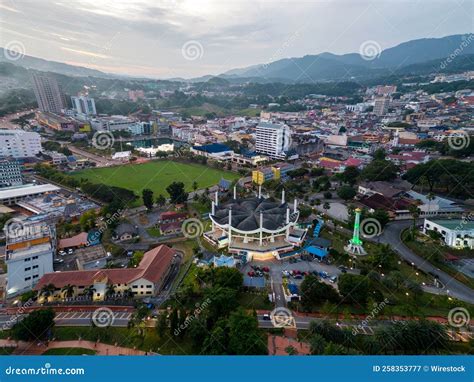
x=127, y=293
x=430, y=197
x=415, y=214
x=110, y=290
x=47, y=290
x=68, y=290
x=89, y=291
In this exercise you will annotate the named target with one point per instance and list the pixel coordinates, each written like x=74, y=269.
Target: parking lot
x=80, y=258
x=294, y=271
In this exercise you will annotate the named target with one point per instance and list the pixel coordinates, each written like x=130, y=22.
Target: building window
x=27, y=259
x=27, y=269
x=98, y=294
x=27, y=278
x=35, y=266
x=149, y=286
x=149, y=292
x=35, y=257
x=35, y=276
x=135, y=286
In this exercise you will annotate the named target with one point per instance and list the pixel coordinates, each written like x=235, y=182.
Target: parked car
x=70, y=251
x=266, y=317
x=333, y=279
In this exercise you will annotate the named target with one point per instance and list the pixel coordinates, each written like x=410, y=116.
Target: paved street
x=391, y=236
x=120, y=319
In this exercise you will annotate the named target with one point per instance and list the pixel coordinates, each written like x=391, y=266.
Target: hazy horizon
x=167, y=39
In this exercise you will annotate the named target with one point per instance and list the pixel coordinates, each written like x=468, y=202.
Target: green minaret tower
x=355, y=244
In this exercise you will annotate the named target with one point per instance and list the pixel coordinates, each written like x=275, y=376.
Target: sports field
x=156, y=176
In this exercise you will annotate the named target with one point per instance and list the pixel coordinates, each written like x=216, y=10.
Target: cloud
x=85, y=53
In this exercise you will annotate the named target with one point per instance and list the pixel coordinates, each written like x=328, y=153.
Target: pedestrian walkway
x=30, y=348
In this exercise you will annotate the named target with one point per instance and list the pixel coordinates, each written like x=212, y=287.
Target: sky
x=190, y=38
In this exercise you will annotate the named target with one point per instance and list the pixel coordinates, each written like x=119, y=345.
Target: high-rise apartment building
x=19, y=143
x=29, y=251
x=273, y=139
x=10, y=173
x=381, y=105
x=84, y=105
x=48, y=93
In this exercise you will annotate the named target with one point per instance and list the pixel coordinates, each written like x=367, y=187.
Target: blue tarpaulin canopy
x=320, y=252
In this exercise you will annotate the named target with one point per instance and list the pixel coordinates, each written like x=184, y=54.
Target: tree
x=346, y=192
x=87, y=220
x=350, y=175
x=195, y=186
x=326, y=206
x=147, y=196
x=160, y=200
x=314, y=293
x=415, y=214
x=215, y=343
x=177, y=193
x=317, y=344
x=47, y=290
x=245, y=337
x=354, y=288
x=109, y=290
x=379, y=170
x=305, y=211
x=89, y=291
x=224, y=301
x=37, y=325
x=379, y=154
x=327, y=195
x=68, y=290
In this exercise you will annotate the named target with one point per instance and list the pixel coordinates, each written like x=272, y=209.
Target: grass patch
x=154, y=231
x=258, y=300
x=434, y=253
x=149, y=341
x=69, y=351
x=155, y=175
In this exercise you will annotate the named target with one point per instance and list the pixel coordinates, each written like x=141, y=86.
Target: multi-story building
x=84, y=105
x=456, y=233
x=29, y=250
x=19, y=143
x=273, y=139
x=144, y=281
x=10, y=173
x=381, y=105
x=48, y=93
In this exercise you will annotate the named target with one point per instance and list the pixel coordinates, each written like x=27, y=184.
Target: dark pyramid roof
x=246, y=214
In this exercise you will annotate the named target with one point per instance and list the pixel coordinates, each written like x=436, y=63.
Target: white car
x=70, y=251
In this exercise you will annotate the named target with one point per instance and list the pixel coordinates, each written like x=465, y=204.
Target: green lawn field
x=156, y=176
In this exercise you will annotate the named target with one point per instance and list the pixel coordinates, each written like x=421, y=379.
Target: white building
x=456, y=233
x=84, y=105
x=10, y=173
x=273, y=139
x=19, y=143
x=29, y=251
x=381, y=105
x=12, y=195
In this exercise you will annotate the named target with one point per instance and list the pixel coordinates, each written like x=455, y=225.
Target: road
x=101, y=161
x=120, y=319
x=391, y=236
